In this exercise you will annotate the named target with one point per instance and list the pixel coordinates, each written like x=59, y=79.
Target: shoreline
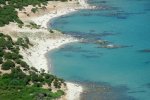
x=36, y=56
x=44, y=20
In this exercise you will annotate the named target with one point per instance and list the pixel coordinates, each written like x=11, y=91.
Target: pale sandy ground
x=45, y=41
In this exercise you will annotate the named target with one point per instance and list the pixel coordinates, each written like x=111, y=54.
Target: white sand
x=43, y=20
x=74, y=91
x=35, y=56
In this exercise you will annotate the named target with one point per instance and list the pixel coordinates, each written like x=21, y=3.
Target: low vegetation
x=20, y=81
x=8, y=8
x=32, y=25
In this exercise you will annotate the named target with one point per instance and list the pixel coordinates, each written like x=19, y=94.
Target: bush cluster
x=22, y=77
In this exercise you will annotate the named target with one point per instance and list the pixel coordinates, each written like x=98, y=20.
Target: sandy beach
x=44, y=42
x=73, y=90
x=43, y=20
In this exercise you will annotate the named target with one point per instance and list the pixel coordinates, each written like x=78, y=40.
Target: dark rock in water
x=136, y=91
x=90, y=56
x=67, y=55
x=89, y=35
x=148, y=85
x=145, y=50
x=147, y=62
x=102, y=1
x=102, y=42
x=86, y=14
x=148, y=9
x=120, y=11
x=91, y=31
x=122, y=17
x=112, y=46
x=104, y=91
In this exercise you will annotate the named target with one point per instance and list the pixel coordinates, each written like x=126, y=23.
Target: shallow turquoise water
x=121, y=22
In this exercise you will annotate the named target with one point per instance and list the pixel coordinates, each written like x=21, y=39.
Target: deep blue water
x=125, y=70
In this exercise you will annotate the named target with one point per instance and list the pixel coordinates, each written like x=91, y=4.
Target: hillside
x=20, y=81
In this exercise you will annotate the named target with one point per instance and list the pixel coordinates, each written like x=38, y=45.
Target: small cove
x=111, y=74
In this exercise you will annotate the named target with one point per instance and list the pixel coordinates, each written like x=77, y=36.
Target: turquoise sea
x=121, y=73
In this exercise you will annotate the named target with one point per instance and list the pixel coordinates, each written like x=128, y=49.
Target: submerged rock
x=147, y=62
x=109, y=46
x=145, y=50
x=112, y=46
x=102, y=42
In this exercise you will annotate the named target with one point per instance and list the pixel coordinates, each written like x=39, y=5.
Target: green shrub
x=47, y=76
x=13, y=56
x=8, y=14
x=24, y=64
x=1, y=34
x=8, y=55
x=14, y=82
x=9, y=38
x=1, y=60
x=19, y=41
x=27, y=40
x=34, y=69
x=18, y=61
x=34, y=25
x=26, y=80
x=7, y=65
x=37, y=84
x=9, y=45
x=5, y=76
x=15, y=50
x=40, y=78
x=24, y=42
x=60, y=92
x=34, y=10
x=57, y=84
x=34, y=77
x=1, y=53
x=57, y=94
x=2, y=42
x=25, y=45
x=51, y=31
x=17, y=73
